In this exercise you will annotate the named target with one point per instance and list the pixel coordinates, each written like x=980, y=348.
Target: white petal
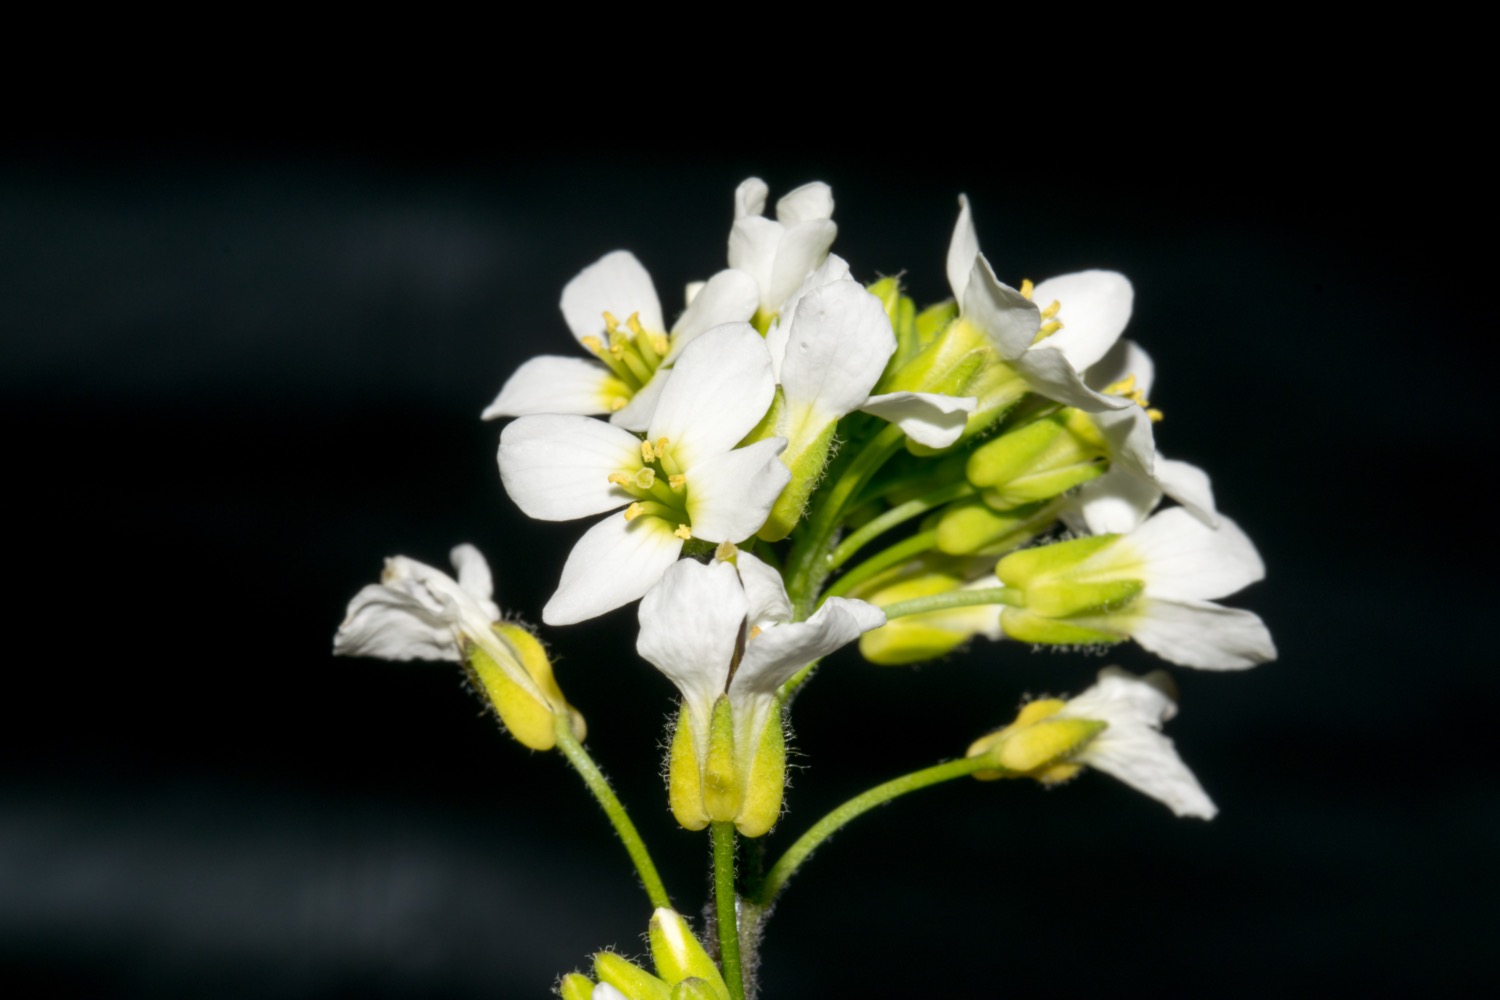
x=1049, y=374
x=752, y=248
x=615, y=562
x=1121, y=698
x=636, y=415
x=719, y=389
x=1189, y=486
x=1202, y=634
x=802, y=248
x=1188, y=560
x=764, y=590
x=604, y=991
x=691, y=621
x=1125, y=358
x=839, y=343
x=474, y=574
x=728, y=297
x=1115, y=503
x=750, y=198
x=389, y=625
x=928, y=418
x=730, y=495
x=808, y=202
x=551, y=384
x=616, y=283
x=1148, y=762
x=962, y=249
x=778, y=653
x=1131, y=440
x=1096, y=307
x=1004, y=315
x=557, y=467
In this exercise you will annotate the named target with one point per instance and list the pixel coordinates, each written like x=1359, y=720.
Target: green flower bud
x=629, y=978
x=527, y=716
x=680, y=958
x=1036, y=461
x=575, y=986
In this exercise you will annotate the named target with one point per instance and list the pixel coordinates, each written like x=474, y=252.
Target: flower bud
x=630, y=979
x=1036, y=744
x=680, y=957
x=1037, y=461
x=496, y=668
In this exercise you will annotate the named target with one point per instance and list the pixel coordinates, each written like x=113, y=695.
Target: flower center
x=659, y=486
x=631, y=352
x=1050, y=324
x=1126, y=388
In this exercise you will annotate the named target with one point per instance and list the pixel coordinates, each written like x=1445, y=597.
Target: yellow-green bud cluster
x=732, y=780
x=684, y=970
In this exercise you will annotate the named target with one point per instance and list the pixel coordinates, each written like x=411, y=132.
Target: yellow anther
x=594, y=344
x=1026, y=288
x=726, y=551
x=618, y=342
x=755, y=630
x=1124, y=387
x=1049, y=328
x=634, y=323
x=661, y=446
x=683, y=532
x=660, y=344
x=677, y=482
x=620, y=478
x=634, y=511
x=617, y=404
x=1156, y=415
x=1051, y=310
x=610, y=323
x=648, y=453
x=645, y=478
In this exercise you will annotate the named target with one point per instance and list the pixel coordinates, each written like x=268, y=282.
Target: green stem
x=787, y=865
x=897, y=515
x=895, y=555
x=726, y=908
x=598, y=784
x=808, y=564
x=953, y=599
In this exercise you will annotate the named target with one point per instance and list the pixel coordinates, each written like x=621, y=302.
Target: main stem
x=598, y=784
x=726, y=908
x=787, y=865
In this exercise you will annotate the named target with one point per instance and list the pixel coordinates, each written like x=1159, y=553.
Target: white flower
x=1083, y=314
x=686, y=480
x=780, y=254
x=721, y=633
x=612, y=309
x=1051, y=739
x=1154, y=585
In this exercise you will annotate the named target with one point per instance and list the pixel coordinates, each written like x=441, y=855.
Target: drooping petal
x=800, y=251
x=556, y=467
x=928, y=418
x=720, y=388
x=1095, y=307
x=1049, y=374
x=809, y=202
x=616, y=283
x=1188, y=560
x=1202, y=634
x=730, y=495
x=837, y=348
x=766, y=594
x=1126, y=358
x=615, y=562
x=1115, y=503
x=962, y=249
x=1131, y=440
x=777, y=653
x=1189, y=486
x=390, y=625
x=1006, y=317
x=551, y=384
x=690, y=624
x=474, y=575
x=750, y=198
x=728, y=297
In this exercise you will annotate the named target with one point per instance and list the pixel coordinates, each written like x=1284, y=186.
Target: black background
x=238, y=376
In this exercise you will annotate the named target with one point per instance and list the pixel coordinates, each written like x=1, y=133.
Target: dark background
x=238, y=376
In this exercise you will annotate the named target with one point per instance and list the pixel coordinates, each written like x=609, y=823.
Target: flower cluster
x=800, y=462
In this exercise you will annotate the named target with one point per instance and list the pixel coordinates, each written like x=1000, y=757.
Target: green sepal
x=931, y=321
x=684, y=783
x=575, y=986
x=1024, y=626
x=806, y=463
x=679, y=956
x=970, y=527
x=901, y=311
x=1036, y=565
x=908, y=640
x=629, y=978
x=1035, y=746
x=526, y=709
x=697, y=989
x=765, y=779
x=766, y=428
x=721, y=789
x=1064, y=598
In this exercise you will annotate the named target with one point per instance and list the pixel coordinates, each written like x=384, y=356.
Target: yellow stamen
x=634, y=511
x=648, y=454
x=755, y=630
x=594, y=344
x=1124, y=387
x=677, y=482
x=620, y=478
x=1051, y=310
x=610, y=323
x=725, y=551
x=683, y=532
x=634, y=323
x=659, y=344
x=1026, y=288
x=1049, y=328
x=617, y=403
x=1155, y=415
x=661, y=446
x=645, y=478
x=617, y=343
